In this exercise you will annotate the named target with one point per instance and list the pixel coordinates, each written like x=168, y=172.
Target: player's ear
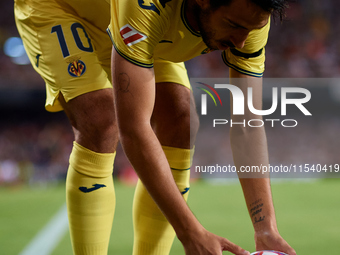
x=204, y=4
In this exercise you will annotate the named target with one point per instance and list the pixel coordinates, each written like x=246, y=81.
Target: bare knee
x=174, y=119
x=93, y=120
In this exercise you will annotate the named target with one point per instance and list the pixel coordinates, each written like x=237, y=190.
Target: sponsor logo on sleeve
x=130, y=35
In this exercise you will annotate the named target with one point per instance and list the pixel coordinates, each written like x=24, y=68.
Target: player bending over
x=68, y=46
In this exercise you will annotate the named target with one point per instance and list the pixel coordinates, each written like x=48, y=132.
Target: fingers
x=207, y=243
x=291, y=251
x=233, y=248
x=285, y=247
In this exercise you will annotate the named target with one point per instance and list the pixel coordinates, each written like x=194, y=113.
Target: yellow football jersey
x=143, y=31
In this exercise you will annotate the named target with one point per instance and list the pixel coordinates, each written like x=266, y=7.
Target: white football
x=268, y=253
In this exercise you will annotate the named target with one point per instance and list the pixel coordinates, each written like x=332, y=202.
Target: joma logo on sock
x=185, y=191
x=95, y=187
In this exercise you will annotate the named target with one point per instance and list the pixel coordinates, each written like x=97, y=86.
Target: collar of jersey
x=186, y=23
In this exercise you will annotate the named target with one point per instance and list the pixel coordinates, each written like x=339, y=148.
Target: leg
x=87, y=99
x=175, y=123
x=174, y=118
x=93, y=120
x=89, y=185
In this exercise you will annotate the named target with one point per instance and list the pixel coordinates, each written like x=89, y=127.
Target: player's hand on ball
x=207, y=243
x=272, y=240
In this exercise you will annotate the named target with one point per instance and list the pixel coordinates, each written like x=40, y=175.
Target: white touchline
x=49, y=236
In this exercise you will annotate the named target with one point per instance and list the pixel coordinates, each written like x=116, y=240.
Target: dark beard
x=206, y=31
x=202, y=16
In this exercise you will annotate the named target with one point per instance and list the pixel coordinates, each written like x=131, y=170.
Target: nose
x=239, y=39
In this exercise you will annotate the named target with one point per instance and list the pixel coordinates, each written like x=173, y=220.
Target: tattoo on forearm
x=256, y=202
x=259, y=220
x=255, y=211
x=123, y=82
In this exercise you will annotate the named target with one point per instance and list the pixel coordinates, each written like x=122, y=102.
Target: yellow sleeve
x=250, y=59
x=136, y=28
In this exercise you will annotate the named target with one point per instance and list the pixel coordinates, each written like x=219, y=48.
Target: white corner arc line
x=49, y=236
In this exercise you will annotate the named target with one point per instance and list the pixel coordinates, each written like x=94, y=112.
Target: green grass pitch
x=307, y=215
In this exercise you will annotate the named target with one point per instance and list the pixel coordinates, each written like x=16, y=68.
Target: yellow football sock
x=91, y=200
x=153, y=234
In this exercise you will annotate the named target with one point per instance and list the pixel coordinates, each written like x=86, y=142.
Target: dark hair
x=276, y=7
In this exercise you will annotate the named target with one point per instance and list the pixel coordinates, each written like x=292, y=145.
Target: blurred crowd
x=305, y=44
x=31, y=152
x=36, y=152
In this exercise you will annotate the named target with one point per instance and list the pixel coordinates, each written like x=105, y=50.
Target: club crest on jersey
x=130, y=35
x=76, y=68
x=206, y=51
